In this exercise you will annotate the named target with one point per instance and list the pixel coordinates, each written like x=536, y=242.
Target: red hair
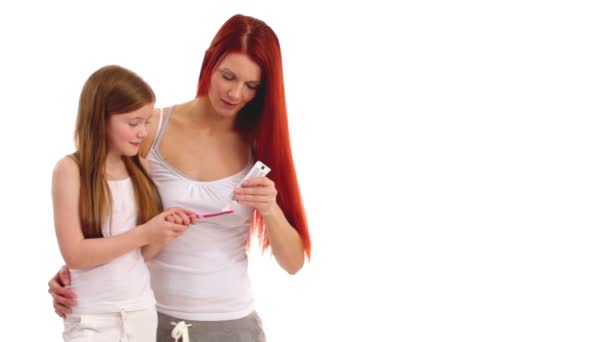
x=264, y=119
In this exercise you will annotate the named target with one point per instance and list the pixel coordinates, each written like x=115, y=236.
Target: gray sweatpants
x=246, y=329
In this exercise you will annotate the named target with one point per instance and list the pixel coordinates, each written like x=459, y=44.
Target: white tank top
x=202, y=275
x=123, y=283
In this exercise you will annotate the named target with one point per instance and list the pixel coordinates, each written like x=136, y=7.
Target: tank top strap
x=165, y=115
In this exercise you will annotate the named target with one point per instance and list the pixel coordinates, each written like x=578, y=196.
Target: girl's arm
x=150, y=251
x=177, y=216
x=79, y=252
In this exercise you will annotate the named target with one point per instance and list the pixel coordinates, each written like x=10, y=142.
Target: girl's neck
x=114, y=168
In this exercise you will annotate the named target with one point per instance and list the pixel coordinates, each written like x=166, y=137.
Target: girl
x=106, y=207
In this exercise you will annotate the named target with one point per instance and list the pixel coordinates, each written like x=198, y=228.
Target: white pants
x=124, y=326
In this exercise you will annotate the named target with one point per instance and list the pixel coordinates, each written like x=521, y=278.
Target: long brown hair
x=109, y=90
x=264, y=119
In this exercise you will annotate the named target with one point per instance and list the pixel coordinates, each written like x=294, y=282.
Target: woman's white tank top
x=202, y=275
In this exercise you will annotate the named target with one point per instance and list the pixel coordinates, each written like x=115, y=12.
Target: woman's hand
x=63, y=297
x=259, y=193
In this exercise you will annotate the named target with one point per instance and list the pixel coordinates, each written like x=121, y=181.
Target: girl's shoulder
x=67, y=166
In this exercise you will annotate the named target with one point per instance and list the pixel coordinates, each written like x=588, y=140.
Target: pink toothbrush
x=200, y=216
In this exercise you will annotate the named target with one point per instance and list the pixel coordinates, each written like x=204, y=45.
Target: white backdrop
x=452, y=158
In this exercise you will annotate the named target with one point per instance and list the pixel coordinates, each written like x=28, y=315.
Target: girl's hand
x=161, y=230
x=183, y=216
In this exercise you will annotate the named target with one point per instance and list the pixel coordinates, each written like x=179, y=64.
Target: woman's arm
x=63, y=297
x=285, y=242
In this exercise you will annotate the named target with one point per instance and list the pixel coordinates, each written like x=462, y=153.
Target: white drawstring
x=180, y=330
x=123, y=333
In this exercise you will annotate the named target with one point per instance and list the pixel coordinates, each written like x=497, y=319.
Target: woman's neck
x=200, y=113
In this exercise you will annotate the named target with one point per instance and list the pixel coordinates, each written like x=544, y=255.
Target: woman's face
x=234, y=83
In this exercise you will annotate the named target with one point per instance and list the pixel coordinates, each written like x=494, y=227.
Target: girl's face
x=127, y=131
x=233, y=84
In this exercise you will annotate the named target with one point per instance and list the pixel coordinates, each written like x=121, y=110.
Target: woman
x=200, y=151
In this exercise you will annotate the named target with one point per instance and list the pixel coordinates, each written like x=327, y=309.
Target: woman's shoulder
x=156, y=114
x=144, y=162
x=152, y=128
x=179, y=107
